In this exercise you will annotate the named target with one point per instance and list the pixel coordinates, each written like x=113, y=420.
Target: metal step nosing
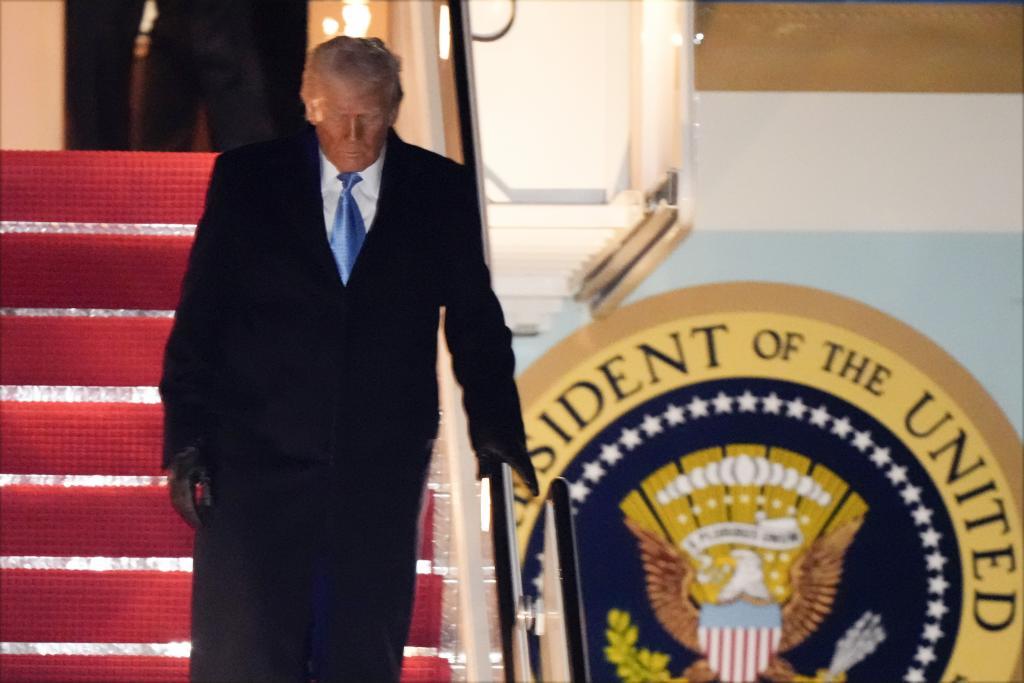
x=82, y=480
x=178, y=650
x=136, y=229
x=84, y=313
x=97, y=563
x=37, y=393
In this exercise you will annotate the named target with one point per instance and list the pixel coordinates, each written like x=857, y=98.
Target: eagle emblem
x=743, y=550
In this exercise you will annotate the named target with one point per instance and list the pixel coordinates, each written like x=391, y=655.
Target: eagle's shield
x=739, y=639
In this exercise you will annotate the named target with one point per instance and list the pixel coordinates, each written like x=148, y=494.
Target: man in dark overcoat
x=299, y=383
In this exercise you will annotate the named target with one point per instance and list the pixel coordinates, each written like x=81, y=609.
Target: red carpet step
x=103, y=187
x=82, y=351
x=91, y=271
x=426, y=670
x=82, y=606
x=77, y=669
x=80, y=438
x=137, y=607
x=105, y=521
x=425, y=629
x=81, y=669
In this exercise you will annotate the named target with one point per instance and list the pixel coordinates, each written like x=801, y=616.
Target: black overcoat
x=315, y=402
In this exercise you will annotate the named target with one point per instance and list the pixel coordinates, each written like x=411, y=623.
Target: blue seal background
x=884, y=570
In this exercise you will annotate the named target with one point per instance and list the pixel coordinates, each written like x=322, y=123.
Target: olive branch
x=633, y=665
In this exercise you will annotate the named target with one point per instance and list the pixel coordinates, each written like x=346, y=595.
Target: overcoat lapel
x=302, y=208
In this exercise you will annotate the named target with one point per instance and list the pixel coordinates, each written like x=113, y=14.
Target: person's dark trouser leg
x=279, y=31
x=230, y=73
x=100, y=41
x=376, y=535
x=253, y=574
x=170, y=89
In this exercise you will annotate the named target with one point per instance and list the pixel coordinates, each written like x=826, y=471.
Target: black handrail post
x=572, y=593
x=505, y=572
x=503, y=528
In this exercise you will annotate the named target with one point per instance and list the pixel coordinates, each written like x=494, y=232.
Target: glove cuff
x=186, y=462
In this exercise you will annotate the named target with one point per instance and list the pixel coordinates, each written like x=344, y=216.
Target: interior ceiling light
x=331, y=26
x=356, y=14
x=444, y=33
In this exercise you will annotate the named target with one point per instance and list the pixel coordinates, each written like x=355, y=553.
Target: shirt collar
x=370, y=185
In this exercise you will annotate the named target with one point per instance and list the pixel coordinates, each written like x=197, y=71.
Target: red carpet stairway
x=94, y=565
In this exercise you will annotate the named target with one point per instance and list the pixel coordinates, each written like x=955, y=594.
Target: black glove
x=189, y=484
x=491, y=457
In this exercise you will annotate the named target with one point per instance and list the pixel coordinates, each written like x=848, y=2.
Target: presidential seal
x=773, y=483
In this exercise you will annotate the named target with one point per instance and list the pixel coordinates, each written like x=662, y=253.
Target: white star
x=930, y=538
x=897, y=474
x=881, y=457
x=682, y=519
x=630, y=439
x=651, y=425
x=820, y=416
x=805, y=520
x=914, y=676
x=696, y=509
x=796, y=408
x=937, y=585
x=937, y=608
x=747, y=402
x=578, y=491
x=698, y=407
x=728, y=499
x=538, y=582
x=771, y=403
x=932, y=633
x=712, y=503
x=862, y=441
x=776, y=503
x=922, y=515
x=911, y=494
x=610, y=453
x=925, y=655
x=936, y=561
x=842, y=427
x=674, y=415
x=744, y=498
x=722, y=402
x=593, y=471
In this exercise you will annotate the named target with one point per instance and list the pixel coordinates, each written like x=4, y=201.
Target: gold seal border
x=764, y=297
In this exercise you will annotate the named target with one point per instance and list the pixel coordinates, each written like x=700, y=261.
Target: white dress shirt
x=365, y=191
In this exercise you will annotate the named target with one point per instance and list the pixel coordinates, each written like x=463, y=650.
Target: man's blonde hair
x=366, y=60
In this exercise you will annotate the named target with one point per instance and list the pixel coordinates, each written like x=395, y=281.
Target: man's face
x=351, y=119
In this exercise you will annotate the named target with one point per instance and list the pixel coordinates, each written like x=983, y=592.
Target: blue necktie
x=348, y=230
